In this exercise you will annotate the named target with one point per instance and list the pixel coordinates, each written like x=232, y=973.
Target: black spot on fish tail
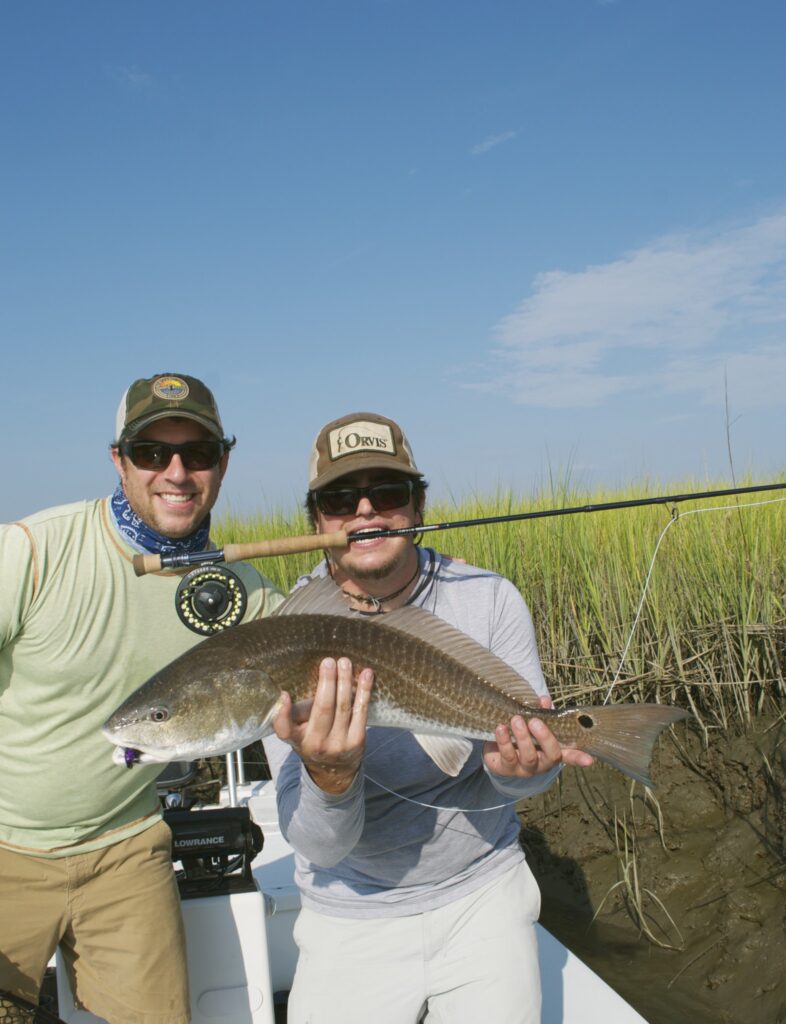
x=623, y=735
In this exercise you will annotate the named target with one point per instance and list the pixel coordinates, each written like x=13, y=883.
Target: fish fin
x=421, y=624
x=319, y=596
x=623, y=735
x=449, y=753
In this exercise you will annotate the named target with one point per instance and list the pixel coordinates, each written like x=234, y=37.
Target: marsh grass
x=711, y=635
x=645, y=907
x=623, y=826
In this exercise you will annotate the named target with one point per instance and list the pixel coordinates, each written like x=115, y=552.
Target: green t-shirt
x=79, y=632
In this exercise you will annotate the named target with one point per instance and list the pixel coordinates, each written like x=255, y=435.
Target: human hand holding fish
x=331, y=740
x=524, y=750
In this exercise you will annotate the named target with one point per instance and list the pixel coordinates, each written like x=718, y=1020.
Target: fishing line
x=432, y=807
x=436, y=807
x=675, y=515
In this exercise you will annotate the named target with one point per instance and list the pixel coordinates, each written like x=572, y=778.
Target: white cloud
x=130, y=76
x=671, y=317
x=491, y=141
x=755, y=378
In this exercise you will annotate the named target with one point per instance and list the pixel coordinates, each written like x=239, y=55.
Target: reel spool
x=209, y=599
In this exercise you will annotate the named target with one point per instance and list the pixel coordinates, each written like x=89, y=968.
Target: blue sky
x=547, y=236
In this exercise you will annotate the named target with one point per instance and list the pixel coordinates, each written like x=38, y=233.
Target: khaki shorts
x=115, y=914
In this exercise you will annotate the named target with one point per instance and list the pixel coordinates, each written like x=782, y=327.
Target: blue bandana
x=144, y=538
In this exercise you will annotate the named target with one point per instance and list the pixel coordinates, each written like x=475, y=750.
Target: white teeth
x=356, y=535
x=176, y=499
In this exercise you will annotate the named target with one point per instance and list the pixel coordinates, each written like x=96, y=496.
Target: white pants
x=473, y=960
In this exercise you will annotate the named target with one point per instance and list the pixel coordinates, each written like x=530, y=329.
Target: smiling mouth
x=176, y=499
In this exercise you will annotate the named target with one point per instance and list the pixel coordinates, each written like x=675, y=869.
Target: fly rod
x=144, y=564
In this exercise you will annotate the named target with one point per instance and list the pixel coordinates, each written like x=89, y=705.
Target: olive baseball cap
x=361, y=440
x=167, y=394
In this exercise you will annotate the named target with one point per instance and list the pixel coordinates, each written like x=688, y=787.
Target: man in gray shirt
x=417, y=902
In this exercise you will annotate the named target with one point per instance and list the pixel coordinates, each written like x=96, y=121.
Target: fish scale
x=407, y=673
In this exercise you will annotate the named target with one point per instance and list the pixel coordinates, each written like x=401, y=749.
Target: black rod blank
x=668, y=499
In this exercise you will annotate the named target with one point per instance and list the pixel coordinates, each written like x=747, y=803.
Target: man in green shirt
x=84, y=855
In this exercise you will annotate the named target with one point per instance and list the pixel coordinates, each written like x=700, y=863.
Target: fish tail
x=623, y=735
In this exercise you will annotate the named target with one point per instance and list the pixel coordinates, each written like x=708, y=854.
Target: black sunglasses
x=154, y=455
x=384, y=497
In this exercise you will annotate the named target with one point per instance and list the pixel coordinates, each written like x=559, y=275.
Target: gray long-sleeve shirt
x=405, y=837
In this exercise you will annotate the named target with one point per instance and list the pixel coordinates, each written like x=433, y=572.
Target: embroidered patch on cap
x=360, y=436
x=171, y=389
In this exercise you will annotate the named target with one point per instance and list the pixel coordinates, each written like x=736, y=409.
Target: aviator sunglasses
x=154, y=455
x=384, y=497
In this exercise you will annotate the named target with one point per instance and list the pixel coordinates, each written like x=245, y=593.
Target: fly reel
x=210, y=598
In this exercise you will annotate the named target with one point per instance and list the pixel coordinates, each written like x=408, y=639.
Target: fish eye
x=586, y=721
x=160, y=714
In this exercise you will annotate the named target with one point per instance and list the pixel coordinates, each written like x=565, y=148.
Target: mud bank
x=677, y=900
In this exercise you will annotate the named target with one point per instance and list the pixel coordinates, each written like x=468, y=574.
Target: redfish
x=429, y=677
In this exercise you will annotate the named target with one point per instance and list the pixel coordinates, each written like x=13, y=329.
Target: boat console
x=213, y=850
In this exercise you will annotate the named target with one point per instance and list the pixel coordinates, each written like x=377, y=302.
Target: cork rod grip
x=144, y=564
x=284, y=546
